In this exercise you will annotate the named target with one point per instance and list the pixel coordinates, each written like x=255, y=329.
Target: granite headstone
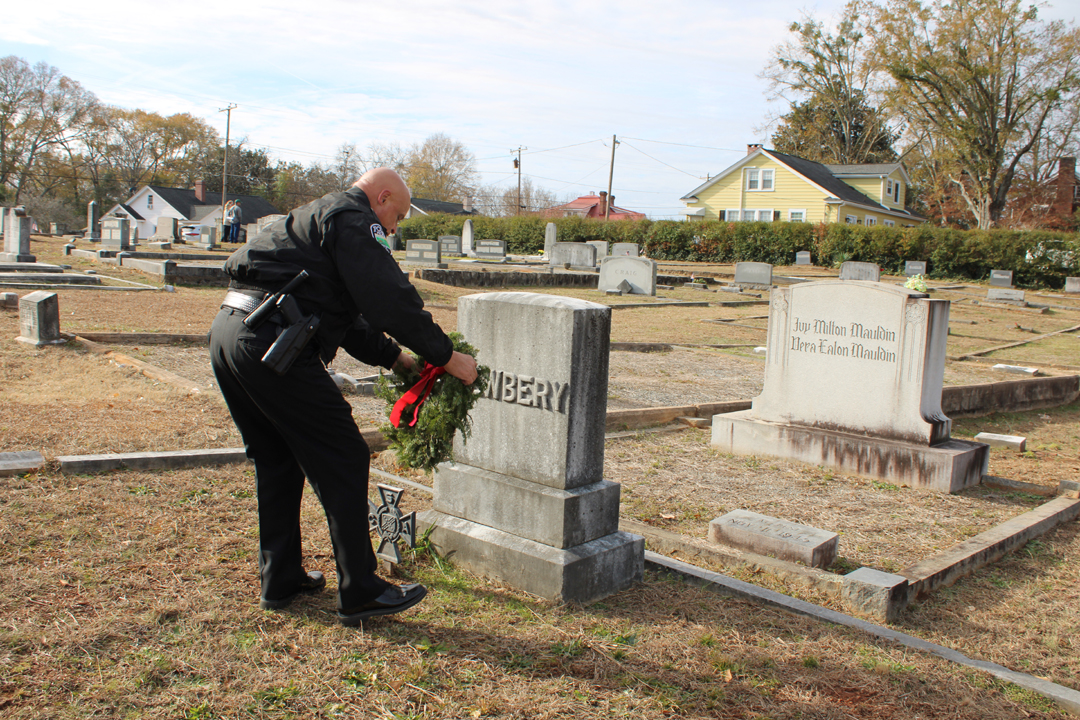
x=39, y=319
x=425, y=252
x=640, y=273
x=852, y=270
x=575, y=254
x=625, y=250
x=756, y=274
x=802, y=257
x=914, y=267
x=1001, y=278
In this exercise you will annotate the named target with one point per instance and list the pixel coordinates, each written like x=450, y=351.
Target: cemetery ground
x=134, y=593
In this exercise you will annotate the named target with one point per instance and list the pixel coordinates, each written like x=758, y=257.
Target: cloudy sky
x=676, y=81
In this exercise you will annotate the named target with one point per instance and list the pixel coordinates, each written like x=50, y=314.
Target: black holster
x=299, y=329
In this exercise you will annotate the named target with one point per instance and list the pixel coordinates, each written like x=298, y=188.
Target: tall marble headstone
x=17, y=237
x=467, y=238
x=39, y=319
x=550, y=237
x=853, y=378
x=93, y=220
x=165, y=230
x=525, y=500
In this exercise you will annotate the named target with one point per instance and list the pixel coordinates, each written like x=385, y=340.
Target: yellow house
x=770, y=186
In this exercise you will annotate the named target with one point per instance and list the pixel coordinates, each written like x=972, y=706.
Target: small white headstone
x=1018, y=369
x=851, y=270
x=802, y=257
x=1001, y=278
x=753, y=273
x=9, y=300
x=1072, y=284
x=1013, y=442
x=467, y=238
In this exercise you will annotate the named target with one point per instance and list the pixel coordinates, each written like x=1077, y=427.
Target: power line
x=696, y=177
x=664, y=142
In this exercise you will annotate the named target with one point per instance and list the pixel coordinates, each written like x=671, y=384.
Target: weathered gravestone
x=426, y=252
x=208, y=237
x=1001, y=278
x=451, y=244
x=116, y=233
x=771, y=536
x=625, y=250
x=39, y=319
x=601, y=249
x=1072, y=284
x=1003, y=294
x=914, y=267
x=753, y=274
x=550, y=238
x=853, y=379
x=17, y=237
x=165, y=231
x=525, y=500
x=572, y=253
x=9, y=299
x=852, y=270
x=802, y=257
x=57, y=229
x=467, y=248
x=640, y=273
x=93, y=220
x=491, y=249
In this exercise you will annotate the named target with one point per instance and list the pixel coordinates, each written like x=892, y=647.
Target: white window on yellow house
x=767, y=179
x=896, y=191
x=888, y=188
x=764, y=215
x=732, y=215
x=752, y=179
x=871, y=220
x=749, y=215
x=888, y=223
x=852, y=219
x=796, y=215
x=150, y=202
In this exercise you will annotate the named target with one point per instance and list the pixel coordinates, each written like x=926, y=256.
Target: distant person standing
x=234, y=217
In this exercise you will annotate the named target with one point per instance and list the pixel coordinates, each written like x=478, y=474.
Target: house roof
x=584, y=204
x=130, y=211
x=823, y=176
x=184, y=200
x=427, y=207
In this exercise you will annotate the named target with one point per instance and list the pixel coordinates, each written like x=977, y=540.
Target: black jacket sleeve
x=370, y=347
x=375, y=283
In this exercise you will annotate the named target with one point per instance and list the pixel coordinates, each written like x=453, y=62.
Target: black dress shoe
x=393, y=600
x=313, y=582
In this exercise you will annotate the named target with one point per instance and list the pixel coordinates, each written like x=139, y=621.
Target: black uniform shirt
x=355, y=286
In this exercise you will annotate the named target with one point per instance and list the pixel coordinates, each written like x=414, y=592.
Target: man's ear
x=384, y=196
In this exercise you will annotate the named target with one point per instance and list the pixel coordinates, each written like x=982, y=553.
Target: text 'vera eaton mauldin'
x=853, y=340
x=527, y=390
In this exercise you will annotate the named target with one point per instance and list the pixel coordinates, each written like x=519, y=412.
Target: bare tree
x=441, y=169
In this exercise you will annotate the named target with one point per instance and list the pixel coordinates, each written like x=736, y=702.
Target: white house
x=193, y=206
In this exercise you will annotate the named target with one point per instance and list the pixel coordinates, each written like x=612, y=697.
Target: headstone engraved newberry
x=802, y=257
x=601, y=249
x=1001, y=278
x=753, y=274
x=771, y=536
x=451, y=244
x=625, y=250
x=914, y=267
x=39, y=319
x=639, y=273
x=1072, y=284
x=853, y=379
x=852, y=270
x=491, y=249
x=1004, y=294
x=525, y=500
x=425, y=252
x=467, y=248
x=575, y=254
x=115, y=233
x=550, y=238
x=17, y=237
x=93, y=220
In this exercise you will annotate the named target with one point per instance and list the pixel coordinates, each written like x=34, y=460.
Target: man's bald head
x=388, y=195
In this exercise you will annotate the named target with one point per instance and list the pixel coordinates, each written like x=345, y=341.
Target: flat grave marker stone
x=1004, y=294
x=766, y=535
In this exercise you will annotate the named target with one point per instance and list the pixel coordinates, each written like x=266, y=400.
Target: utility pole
x=225, y=162
x=344, y=169
x=517, y=164
x=611, y=174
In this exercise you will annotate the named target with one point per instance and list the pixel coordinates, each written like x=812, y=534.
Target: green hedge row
x=1037, y=258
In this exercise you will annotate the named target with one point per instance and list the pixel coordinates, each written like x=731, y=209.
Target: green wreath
x=446, y=411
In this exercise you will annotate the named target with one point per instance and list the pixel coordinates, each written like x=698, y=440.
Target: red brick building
x=593, y=206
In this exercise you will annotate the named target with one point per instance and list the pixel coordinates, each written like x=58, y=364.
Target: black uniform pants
x=293, y=426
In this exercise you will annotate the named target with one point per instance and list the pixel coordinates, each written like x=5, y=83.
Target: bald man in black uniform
x=297, y=424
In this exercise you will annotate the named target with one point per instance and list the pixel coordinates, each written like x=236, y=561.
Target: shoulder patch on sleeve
x=379, y=234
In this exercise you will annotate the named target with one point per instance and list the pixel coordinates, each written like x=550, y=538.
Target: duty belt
x=241, y=301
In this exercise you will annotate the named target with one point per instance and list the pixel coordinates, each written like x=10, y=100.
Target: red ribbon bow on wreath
x=417, y=394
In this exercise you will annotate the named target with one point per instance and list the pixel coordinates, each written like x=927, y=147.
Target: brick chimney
x=752, y=148
x=1066, y=181
x=603, y=202
x=200, y=190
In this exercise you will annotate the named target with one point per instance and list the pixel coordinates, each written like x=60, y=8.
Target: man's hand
x=462, y=366
x=405, y=361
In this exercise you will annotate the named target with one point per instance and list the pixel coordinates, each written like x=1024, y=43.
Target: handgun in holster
x=299, y=328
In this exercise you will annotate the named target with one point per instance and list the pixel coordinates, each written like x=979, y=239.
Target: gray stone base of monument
x=17, y=258
x=9, y=300
x=160, y=245
x=880, y=594
x=947, y=467
x=582, y=573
